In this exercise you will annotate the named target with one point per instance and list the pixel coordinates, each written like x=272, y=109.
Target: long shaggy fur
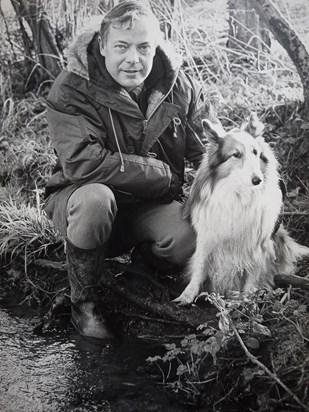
x=234, y=204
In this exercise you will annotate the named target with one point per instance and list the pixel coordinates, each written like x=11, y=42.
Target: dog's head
x=240, y=154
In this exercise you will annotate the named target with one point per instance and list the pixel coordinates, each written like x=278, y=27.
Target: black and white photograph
x=154, y=205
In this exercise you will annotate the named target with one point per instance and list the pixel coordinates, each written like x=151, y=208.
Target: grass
x=26, y=156
x=25, y=230
x=26, y=160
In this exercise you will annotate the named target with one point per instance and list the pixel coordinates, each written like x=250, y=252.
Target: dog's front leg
x=197, y=273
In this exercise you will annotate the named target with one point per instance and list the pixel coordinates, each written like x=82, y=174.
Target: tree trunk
x=245, y=29
x=288, y=39
x=42, y=47
x=49, y=54
x=27, y=42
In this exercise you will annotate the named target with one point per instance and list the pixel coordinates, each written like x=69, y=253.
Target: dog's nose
x=256, y=180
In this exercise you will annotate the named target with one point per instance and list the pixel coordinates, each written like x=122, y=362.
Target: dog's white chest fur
x=234, y=236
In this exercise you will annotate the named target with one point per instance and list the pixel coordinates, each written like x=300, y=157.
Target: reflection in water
x=63, y=373
x=35, y=371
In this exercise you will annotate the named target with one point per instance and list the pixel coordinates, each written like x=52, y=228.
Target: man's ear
x=213, y=131
x=254, y=126
x=101, y=45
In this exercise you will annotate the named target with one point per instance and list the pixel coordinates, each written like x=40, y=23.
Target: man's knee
x=92, y=202
x=91, y=210
x=172, y=237
x=176, y=249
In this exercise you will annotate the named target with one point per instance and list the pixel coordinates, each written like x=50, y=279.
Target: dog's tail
x=288, y=252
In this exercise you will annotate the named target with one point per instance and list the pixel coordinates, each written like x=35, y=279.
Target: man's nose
x=132, y=56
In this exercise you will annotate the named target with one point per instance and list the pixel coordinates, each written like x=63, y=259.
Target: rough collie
x=234, y=204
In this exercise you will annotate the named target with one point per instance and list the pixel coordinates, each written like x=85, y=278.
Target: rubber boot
x=85, y=268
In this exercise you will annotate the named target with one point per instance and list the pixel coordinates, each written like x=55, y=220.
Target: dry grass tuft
x=26, y=156
x=25, y=230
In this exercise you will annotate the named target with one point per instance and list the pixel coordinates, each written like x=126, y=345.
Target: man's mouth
x=131, y=71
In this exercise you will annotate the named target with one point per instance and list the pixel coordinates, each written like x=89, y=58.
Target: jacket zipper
x=117, y=142
x=145, y=124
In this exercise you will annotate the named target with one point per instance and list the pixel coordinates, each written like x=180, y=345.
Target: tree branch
x=192, y=316
x=288, y=39
x=282, y=281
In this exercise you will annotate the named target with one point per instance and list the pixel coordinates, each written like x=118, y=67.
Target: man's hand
x=173, y=192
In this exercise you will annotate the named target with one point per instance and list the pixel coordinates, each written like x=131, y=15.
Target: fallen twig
x=291, y=280
x=50, y=264
x=295, y=213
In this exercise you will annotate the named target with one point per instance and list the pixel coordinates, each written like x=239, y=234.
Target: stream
x=62, y=372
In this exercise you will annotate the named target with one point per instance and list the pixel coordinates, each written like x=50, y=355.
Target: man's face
x=129, y=53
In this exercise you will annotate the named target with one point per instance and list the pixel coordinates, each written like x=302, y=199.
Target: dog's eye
x=237, y=154
x=255, y=152
x=263, y=158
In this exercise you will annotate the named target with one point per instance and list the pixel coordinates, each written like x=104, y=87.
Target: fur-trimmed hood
x=85, y=60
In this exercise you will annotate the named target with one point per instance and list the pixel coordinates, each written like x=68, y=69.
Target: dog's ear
x=254, y=126
x=213, y=131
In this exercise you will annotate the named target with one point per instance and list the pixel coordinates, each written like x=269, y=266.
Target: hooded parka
x=102, y=135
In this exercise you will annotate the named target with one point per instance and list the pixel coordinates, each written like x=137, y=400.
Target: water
x=62, y=372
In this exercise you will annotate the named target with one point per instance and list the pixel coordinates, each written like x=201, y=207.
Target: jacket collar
x=85, y=60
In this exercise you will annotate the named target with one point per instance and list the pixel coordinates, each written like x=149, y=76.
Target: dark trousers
x=94, y=218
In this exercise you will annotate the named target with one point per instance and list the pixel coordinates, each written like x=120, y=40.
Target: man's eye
x=144, y=49
x=263, y=158
x=238, y=155
x=120, y=47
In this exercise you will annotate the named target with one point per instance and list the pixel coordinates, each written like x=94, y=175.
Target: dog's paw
x=182, y=301
x=185, y=298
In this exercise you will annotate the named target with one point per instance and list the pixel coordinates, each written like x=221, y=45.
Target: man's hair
x=124, y=16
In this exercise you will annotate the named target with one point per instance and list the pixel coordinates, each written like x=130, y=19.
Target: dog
x=234, y=204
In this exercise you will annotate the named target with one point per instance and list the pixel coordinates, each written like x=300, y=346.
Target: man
x=122, y=119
